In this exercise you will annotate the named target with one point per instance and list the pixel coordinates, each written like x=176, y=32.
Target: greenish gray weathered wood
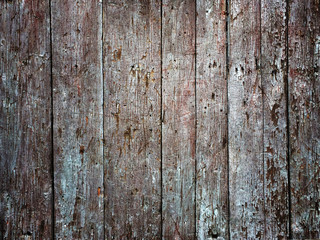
x=132, y=80
x=25, y=121
x=115, y=119
x=178, y=119
x=246, y=174
x=274, y=83
x=78, y=118
x=212, y=161
x=304, y=116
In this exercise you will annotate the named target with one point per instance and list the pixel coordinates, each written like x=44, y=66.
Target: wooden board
x=25, y=121
x=274, y=85
x=212, y=162
x=304, y=116
x=78, y=118
x=245, y=122
x=132, y=80
x=178, y=119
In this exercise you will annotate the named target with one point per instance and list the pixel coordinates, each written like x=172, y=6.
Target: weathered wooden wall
x=159, y=119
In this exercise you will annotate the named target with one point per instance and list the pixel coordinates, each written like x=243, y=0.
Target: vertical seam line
x=263, y=120
x=103, y=122
x=161, y=120
x=288, y=117
x=195, y=119
x=227, y=97
x=52, y=131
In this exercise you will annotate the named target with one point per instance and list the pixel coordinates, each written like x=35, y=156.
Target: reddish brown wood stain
x=149, y=119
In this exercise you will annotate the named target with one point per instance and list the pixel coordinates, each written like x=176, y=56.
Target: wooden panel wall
x=159, y=119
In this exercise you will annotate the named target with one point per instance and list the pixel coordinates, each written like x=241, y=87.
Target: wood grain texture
x=78, y=118
x=212, y=161
x=274, y=80
x=132, y=79
x=245, y=122
x=25, y=122
x=304, y=116
x=171, y=119
x=178, y=119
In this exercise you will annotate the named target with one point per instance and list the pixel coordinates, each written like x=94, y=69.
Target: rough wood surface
x=304, y=116
x=78, y=118
x=25, y=121
x=171, y=119
x=212, y=181
x=178, y=119
x=245, y=122
x=274, y=80
x=132, y=79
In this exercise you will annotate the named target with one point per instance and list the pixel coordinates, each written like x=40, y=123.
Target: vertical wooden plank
x=304, y=116
x=274, y=78
x=212, y=162
x=245, y=122
x=25, y=121
x=78, y=119
x=178, y=119
x=132, y=63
